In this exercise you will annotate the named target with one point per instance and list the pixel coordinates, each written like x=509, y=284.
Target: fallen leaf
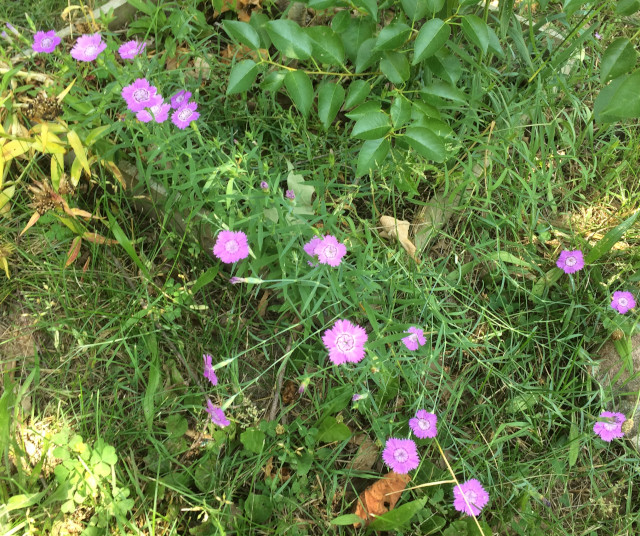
x=367, y=454
x=262, y=304
x=289, y=392
x=398, y=229
x=380, y=497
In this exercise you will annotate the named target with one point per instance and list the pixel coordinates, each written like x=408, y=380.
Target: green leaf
x=609, y=240
x=443, y=90
x=415, y=9
x=574, y=442
x=426, y=143
x=571, y=6
x=399, y=516
x=258, y=507
x=434, y=6
x=253, y=440
x=242, y=32
x=358, y=91
x=324, y=4
x=367, y=55
x=340, y=21
x=6, y=400
x=330, y=99
x=395, y=66
x=400, y=111
x=257, y=22
x=347, y=519
x=371, y=155
x=330, y=430
x=618, y=59
x=445, y=65
x=431, y=38
x=148, y=403
x=109, y=455
x=364, y=109
x=472, y=528
x=326, y=44
x=146, y=7
x=300, y=90
x=371, y=126
x=273, y=81
x=358, y=30
x=546, y=281
x=627, y=7
x=370, y=6
x=476, y=31
x=392, y=36
x=242, y=76
x=124, y=241
x=205, y=278
x=303, y=190
x=289, y=39
x=619, y=100
x=95, y=134
x=176, y=426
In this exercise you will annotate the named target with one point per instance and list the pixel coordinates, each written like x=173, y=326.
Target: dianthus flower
x=623, y=302
x=424, y=424
x=131, y=49
x=400, y=455
x=264, y=185
x=611, y=427
x=231, y=246
x=415, y=339
x=45, y=41
x=140, y=95
x=209, y=373
x=345, y=342
x=180, y=98
x=158, y=112
x=88, y=47
x=475, y=495
x=183, y=116
x=327, y=249
x=217, y=415
x=570, y=261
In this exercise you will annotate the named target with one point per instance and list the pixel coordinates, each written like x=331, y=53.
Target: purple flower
x=356, y=397
x=264, y=185
x=400, y=455
x=611, y=427
x=597, y=35
x=231, y=246
x=45, y=41
x=12, y=28
x=235, y=280
x=303, y=386
x=330, y=251
x=345, y=342
x=310, y=247
x=131, y=49
x=570, y=261
x=183, y=116
x=180, y=98
x=623, y=302
x=217, y=415
x=424, y=424
x=290, y=194
x=88, y=47
x=415, y=339
x=470, y=497
x=140, y=95
x=4, y=35
x=158, y=112
x=209, y=373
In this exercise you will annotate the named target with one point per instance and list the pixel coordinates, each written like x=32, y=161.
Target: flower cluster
x=216, y=413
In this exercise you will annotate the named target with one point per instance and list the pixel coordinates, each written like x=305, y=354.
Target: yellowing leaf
x=74, y=250
x=81, y=153
x=5, y=265
x=57, y=165
x=66, y=90
x=6, y=195
x=14, y=148
x=380, y=497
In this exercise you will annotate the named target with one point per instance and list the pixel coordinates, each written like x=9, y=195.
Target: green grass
x=117, y=353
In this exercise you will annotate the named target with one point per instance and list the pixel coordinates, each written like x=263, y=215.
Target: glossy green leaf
x=619, y=58
x=330, y=430
x=609, y=240
x=399, y=517
x=426, y=143
x=400, y=111
x=242, y=76
x=494, y=43
x=395, y=67
x=273, y=81
x=258, y=22
x=330, y=99
x=446, y=66
x=443, y=91
x=371, y=155
x=324, y=4
x=340, y=21
x=627, y=7
x=242, y=32
x=619, y=100
x=371, y=126
x=289, y=39
x=369, y=6
x=392, y=36
x=358, y=91
x=300, y=90
x=367, y=55
x=326, y=44
x=431, y=38
x=434, y=6
x=358, y=30
x=476, y=31
x=415, y=9
x=366, y=108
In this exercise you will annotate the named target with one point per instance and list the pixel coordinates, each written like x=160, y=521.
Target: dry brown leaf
x=240, y=52
x=243, y=8
x=398, y=229
x=367, y=454
x=289, y=392
x=262, y=304
x=380, y=497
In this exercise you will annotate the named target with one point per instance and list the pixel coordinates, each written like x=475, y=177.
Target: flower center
x=571, y=261
x=90, y=50
x=140, y=95
x=330, y=251
x=345, y=342
x=622, y=302
x=424, y=424
x=231, y=246
x=471, y=497
x=413, y=337
x=184, y=114
x=401, y=455
x=179, y=98
x=46, y=42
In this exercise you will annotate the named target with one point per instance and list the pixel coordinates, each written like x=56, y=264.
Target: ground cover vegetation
x=315, y=268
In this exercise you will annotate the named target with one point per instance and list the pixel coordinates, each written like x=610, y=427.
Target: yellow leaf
x=44, y=136
x=57, y=165
x=6, y=195
x=398, y=229
x=14, y=148
x=81, y=153
x=5, y=265
x=66, y=90
x=31, y=223
x=57, y=128
x=52, y=147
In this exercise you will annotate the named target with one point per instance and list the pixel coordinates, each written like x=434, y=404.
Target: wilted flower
x=264, y=185
x=217, y=415
x=209, y=373
x=180, y=98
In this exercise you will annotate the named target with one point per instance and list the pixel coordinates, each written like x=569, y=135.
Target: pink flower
x=264, y=185
x=611, y=427
x=217, y=415
x=183, y=116
x=131, y=49
x=570, y=261
x=180, y=98
x=45, y=41
x=424, y=424
x=345, y=342
x=400, y=455
x=209, y=373
x=141, y=95
x=470, y=497
x=623, y=302
x=290, y=194
x=88, y=47
x=231, y=246
x=158, y=112
x=310, y=247
x=415, y=339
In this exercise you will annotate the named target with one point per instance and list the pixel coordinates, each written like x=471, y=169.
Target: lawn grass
x=117, y=352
